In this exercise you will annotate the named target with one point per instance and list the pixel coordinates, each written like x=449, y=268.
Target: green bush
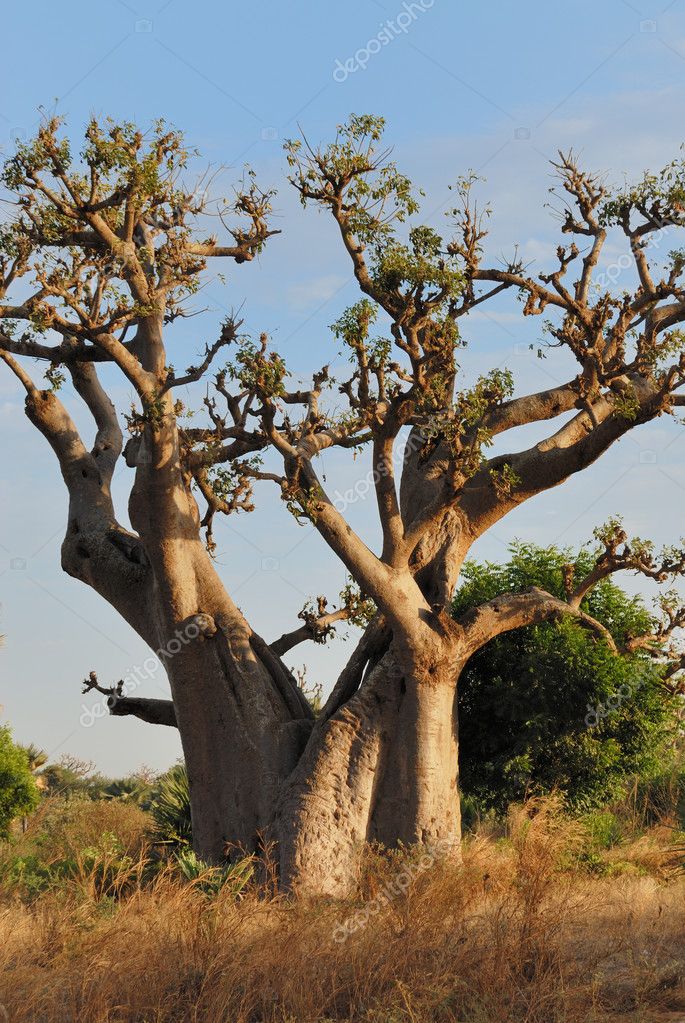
x=102, y=870
x=550, y=707
x=604, y=829
x=232, y=878
x=170, y=809
x=18, y=790
x=28, y=876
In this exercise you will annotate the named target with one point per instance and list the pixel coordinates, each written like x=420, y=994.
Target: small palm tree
x=129, y=790
x=37, y=757
x=170, y=809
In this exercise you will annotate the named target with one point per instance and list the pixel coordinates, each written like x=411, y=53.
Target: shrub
x=232, y=878
x=551, y=707
x=18, y=790
x=89, y=846
x=62, y=827
x=170, y=809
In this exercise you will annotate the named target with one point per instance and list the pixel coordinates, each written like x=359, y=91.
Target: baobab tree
x=101, y=255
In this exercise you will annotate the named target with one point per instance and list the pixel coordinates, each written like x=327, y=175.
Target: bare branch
x=515, y=610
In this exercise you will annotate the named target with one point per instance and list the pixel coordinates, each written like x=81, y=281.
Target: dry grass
x=518, y=932
x=68, y=826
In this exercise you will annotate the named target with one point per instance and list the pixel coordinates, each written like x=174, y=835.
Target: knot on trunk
x=200, y=626
x=136, y=452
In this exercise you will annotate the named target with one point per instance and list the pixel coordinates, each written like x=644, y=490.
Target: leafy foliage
x=18, y=790
x=170, y=808
x=550, y=706
x=232, y=878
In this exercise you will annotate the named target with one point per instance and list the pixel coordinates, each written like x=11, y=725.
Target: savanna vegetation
x=568, y=903
x=547, y=918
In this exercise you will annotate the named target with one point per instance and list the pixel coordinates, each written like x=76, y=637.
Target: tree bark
x=416, y=795
x=383, y=768
x=241, y=718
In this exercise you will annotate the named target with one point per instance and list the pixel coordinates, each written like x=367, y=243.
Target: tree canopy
x=552, y=706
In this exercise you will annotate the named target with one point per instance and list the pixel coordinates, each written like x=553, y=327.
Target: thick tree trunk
x=323, y=817
x=417, y=798
x=238, y=744
x=383, y=768
x=242, y=720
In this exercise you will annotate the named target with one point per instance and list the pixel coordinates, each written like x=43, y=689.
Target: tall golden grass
x=521, y=930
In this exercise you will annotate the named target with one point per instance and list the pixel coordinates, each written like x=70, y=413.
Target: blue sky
x=497, y=88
